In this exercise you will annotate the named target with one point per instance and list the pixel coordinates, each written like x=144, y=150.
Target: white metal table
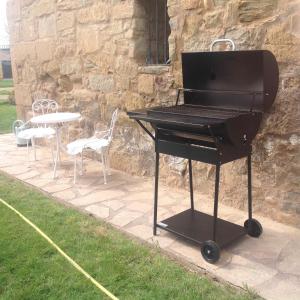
x=56, y=120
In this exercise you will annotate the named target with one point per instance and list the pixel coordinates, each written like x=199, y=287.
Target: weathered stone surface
x=28, y=30
x=65, y=20
x=43, y=7
x=96, y=13
x=90, y=56
x=47, y=26
x=87, y=40
x=44, y=50
x=69, y=4
x=250, y=10
x=13, y=11
x=145, y=84
x=104, y=83
x=23, y=94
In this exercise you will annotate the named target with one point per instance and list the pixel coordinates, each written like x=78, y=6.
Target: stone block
x=103, y=83
x=295, y=24
x=44, y=50
x=25, y=3
x=14, y=33
x=191, y=4
x=87, y=40
x=23, y=51
x=146, y=84
x=251, y=10
x=69, y=4
x=28, y=30
x=65, y=20
x=43, y=7
x=47, y=26
x=96, y=13
x=83, y=95
x=71, y=65
x=23, y=94
x=123, y=10
x=13, y=10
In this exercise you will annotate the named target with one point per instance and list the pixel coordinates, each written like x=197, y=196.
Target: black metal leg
x=156, y=193
x=191, y=184
x=216, y=200
x=249, y=187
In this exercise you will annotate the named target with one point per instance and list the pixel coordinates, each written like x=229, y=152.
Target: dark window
x=157, y=31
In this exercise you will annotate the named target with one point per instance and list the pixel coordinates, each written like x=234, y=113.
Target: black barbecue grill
x=225, y=95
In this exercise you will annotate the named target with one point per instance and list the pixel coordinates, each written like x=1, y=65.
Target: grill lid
x=242, y=80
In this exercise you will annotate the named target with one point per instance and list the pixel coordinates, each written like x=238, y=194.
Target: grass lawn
x=4, y=83
x=7, y=116
x=4, y=92
x=31, y=269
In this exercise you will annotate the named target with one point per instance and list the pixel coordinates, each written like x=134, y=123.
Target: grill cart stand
x=225, y=96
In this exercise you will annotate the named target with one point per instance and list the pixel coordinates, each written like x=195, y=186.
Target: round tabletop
x=55, y=118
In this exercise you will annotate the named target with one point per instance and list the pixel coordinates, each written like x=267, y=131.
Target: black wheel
x=253, y=227
x=210, y=251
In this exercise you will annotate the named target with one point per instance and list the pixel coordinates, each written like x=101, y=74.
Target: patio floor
x=270, y=265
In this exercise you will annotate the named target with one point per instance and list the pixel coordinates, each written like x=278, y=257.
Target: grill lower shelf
x=198, y=227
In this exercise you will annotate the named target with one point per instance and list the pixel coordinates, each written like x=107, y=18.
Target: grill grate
x=195, y=111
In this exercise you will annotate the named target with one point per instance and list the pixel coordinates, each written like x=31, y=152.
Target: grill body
x=225, y=95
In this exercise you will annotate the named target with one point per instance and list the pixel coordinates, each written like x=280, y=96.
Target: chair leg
x=103, y=166
x=52, y=153
x=34, y=150
x=108, y=163
x=81, y=172
x=28, y=150
x=75, y=169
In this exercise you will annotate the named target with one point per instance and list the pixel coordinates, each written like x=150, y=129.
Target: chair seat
x=40, y=132
x=77, y=146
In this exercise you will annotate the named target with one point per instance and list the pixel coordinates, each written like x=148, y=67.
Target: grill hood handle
x=222, y=41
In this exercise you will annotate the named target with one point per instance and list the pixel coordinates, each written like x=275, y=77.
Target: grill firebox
x=225, y=95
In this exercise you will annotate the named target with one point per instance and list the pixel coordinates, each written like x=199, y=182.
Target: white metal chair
x=39, y=107
x=99, y=143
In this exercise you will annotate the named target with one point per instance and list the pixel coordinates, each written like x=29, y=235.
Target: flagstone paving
x=270, y=265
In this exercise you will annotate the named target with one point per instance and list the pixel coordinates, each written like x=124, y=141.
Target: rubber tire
x=255, y=230
x=210, y=251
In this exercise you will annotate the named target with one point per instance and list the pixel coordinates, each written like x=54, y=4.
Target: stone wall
x=90, y=56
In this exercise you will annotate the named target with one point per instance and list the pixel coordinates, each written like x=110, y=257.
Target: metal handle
x=221, y=41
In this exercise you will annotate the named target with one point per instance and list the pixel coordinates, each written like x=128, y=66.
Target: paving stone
x=16, y=170
x=140, y=206
x=125, y=217
x=280, y=287
x=98, y=197
x=243, y=271
x=98, y=211
x=114, y=204
x=140, y=197
x=142, y=231
x=167, y=201
x=28, y=175
x=83, y=191
x=38, y=182
x=286, y=260
x=53, y=187
x=65, y=195
x=162, y=241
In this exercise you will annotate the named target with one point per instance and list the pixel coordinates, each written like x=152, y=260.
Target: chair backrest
x=112, y=124
x=44, y=106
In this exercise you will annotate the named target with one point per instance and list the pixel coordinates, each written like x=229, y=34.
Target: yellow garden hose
x=69, y=259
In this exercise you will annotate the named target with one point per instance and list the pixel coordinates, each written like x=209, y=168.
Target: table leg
x=57, y=152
